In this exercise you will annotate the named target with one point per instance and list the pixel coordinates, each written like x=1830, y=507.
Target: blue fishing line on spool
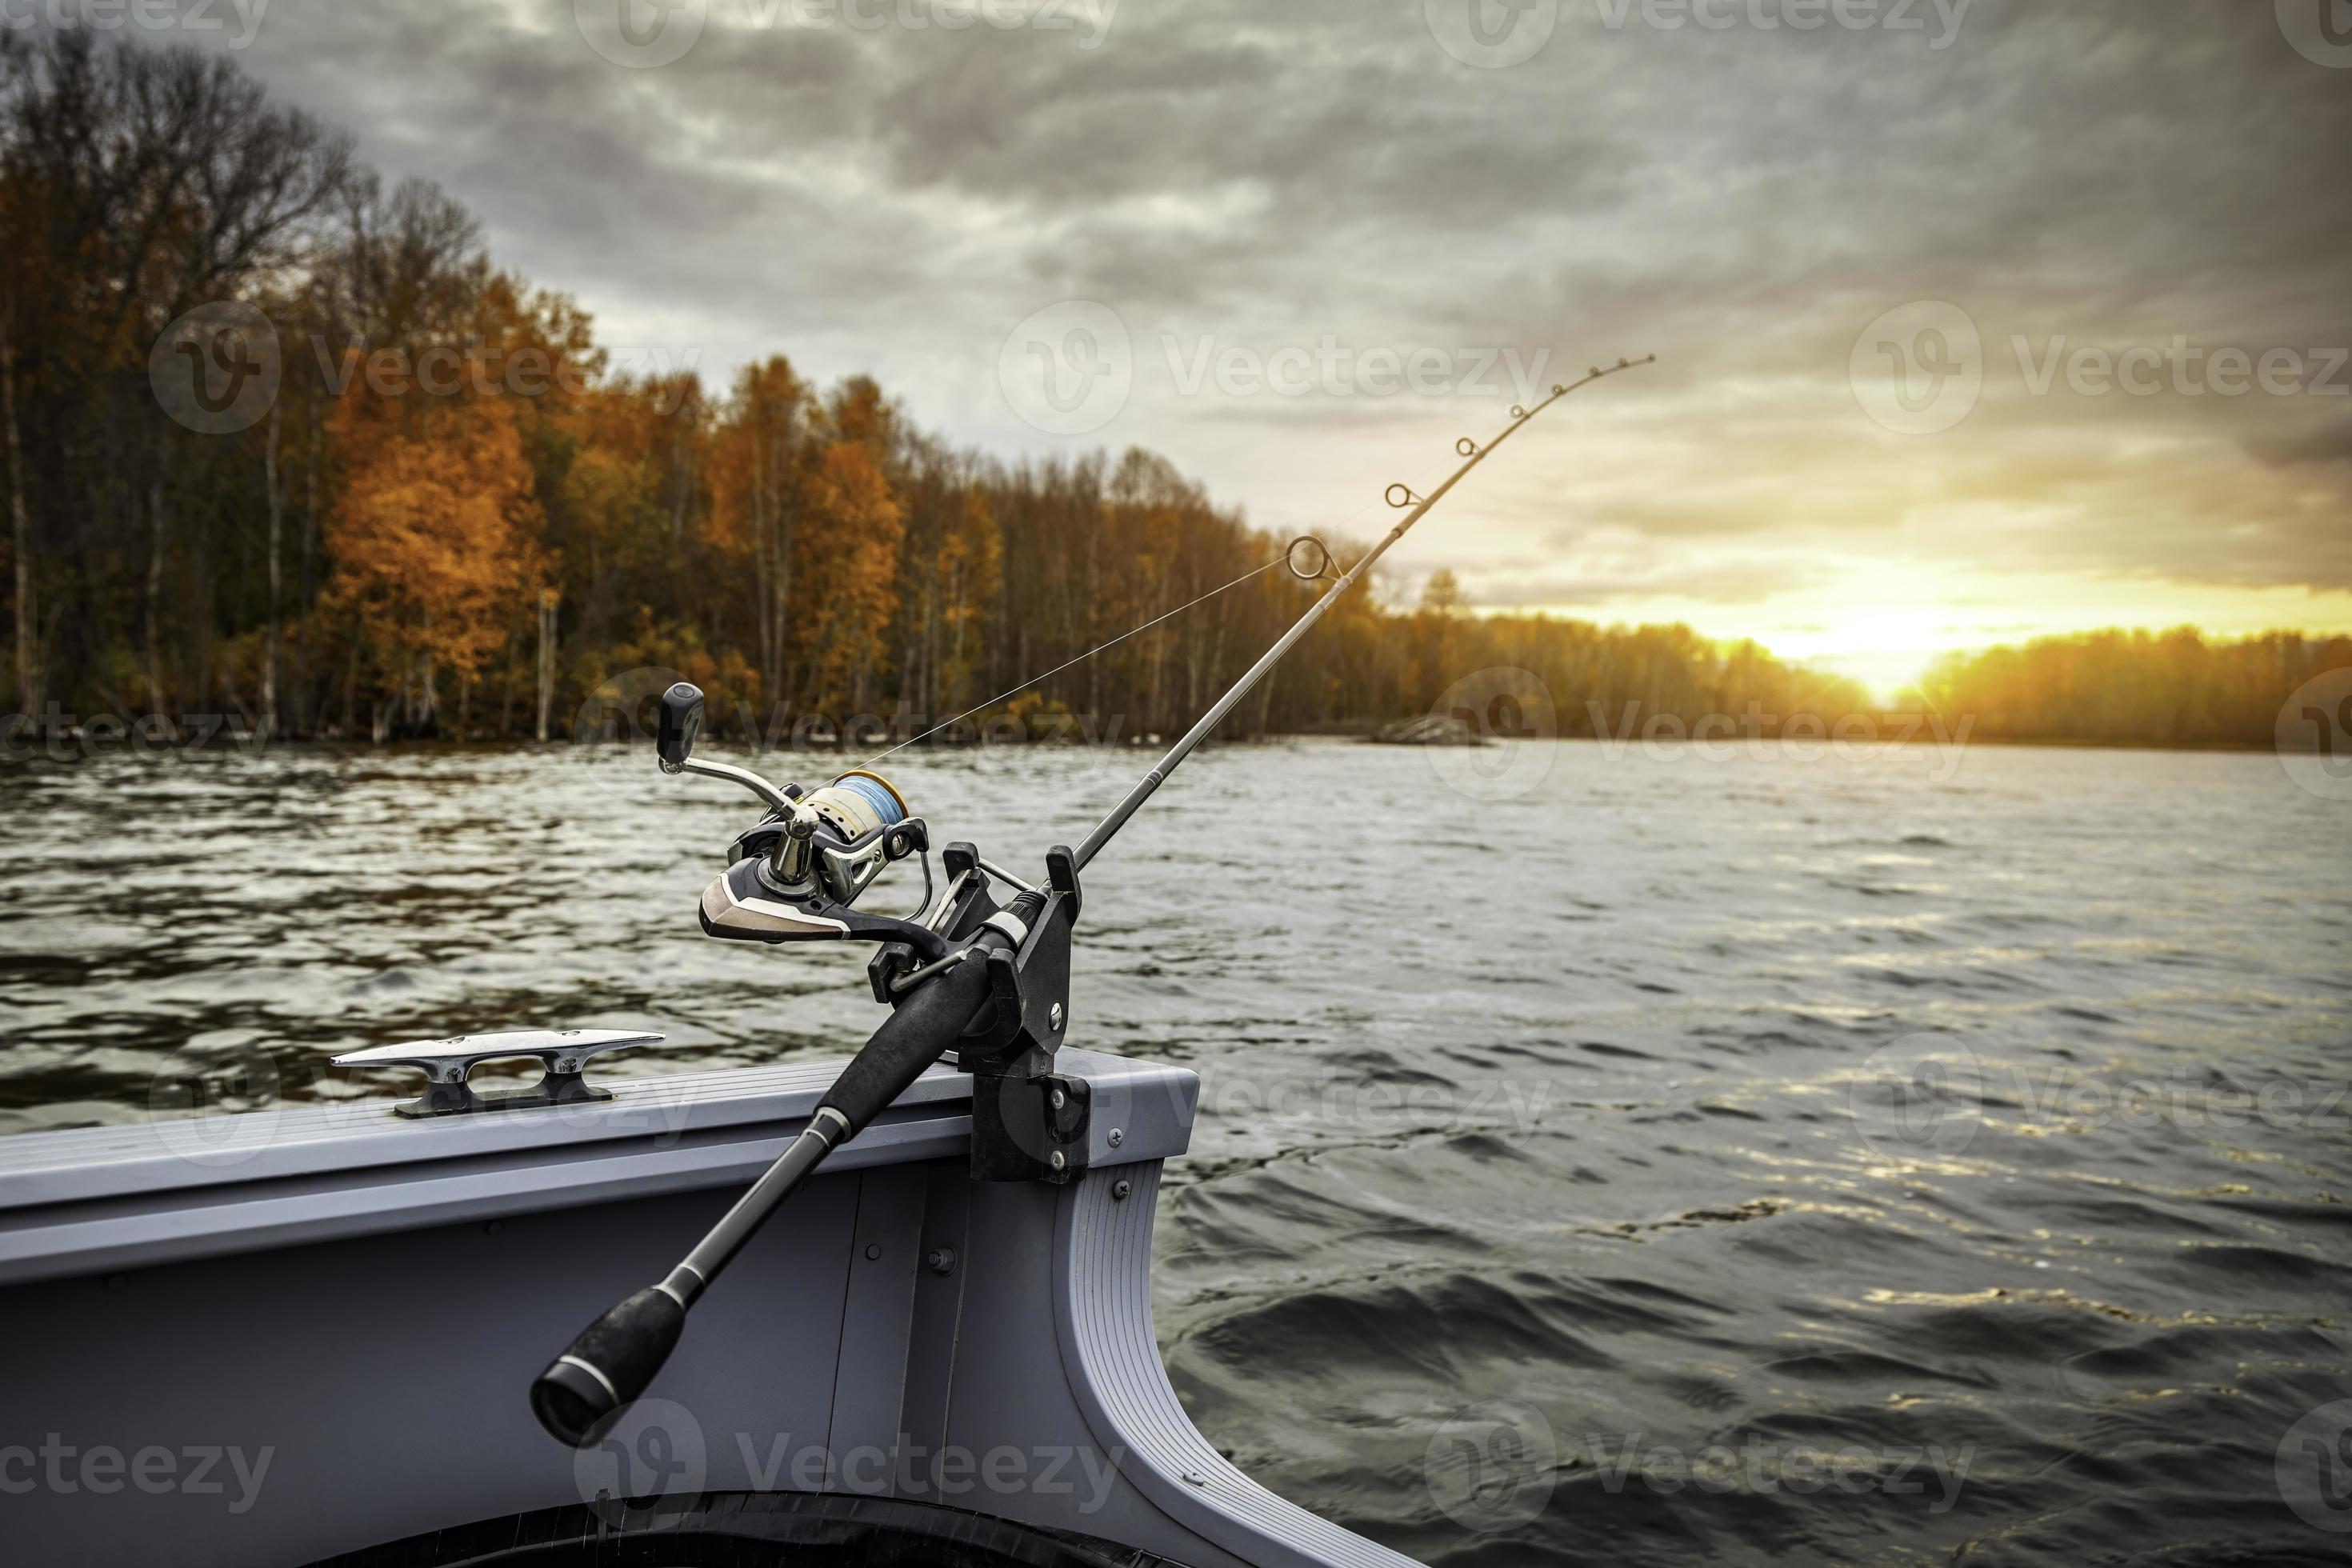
x=886, y=809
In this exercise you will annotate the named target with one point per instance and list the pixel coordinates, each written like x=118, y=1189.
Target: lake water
x=1632, y=1157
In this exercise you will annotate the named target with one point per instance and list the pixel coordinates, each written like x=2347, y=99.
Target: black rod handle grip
x=925, y=1027
x=614, y=1359
x=610, y=1363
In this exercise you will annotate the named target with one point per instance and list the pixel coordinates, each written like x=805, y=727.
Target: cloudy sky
x=1974, y=319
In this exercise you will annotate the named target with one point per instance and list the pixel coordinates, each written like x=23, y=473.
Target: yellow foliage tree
x=848, y=561
x=435, y=535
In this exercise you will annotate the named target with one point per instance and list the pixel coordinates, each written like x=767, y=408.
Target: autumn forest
x=448, y=515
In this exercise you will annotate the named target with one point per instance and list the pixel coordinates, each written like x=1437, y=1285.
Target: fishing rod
x=968, y=977
x=1415, y=507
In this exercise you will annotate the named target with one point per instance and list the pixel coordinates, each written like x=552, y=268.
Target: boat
x=324, y=1335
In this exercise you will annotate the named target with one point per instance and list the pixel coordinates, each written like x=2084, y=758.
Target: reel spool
x=858, y=803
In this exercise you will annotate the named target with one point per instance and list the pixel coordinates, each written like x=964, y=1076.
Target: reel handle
x=679, y=726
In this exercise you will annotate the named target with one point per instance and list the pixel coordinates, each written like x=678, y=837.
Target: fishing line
x=1099, y=648
x=1412, y=502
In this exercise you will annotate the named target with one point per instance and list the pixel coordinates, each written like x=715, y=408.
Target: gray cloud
x=1743, y=202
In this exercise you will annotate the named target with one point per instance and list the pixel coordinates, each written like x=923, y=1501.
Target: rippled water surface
x=1850, y=1159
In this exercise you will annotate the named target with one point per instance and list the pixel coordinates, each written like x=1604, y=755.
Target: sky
x=1974, y=321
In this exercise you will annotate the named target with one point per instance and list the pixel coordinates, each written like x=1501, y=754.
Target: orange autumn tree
x=847, y=566
x=970, y=578
x=436, y=537
x=757, y=457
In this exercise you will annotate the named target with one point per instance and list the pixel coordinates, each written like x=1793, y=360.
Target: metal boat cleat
x=564, y=1053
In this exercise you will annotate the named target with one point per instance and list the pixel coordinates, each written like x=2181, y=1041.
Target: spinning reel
x=795, y=875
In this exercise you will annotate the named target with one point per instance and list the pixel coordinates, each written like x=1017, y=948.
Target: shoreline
x=20, y=747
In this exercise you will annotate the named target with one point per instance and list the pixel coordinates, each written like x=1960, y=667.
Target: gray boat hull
x=275, y=1341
